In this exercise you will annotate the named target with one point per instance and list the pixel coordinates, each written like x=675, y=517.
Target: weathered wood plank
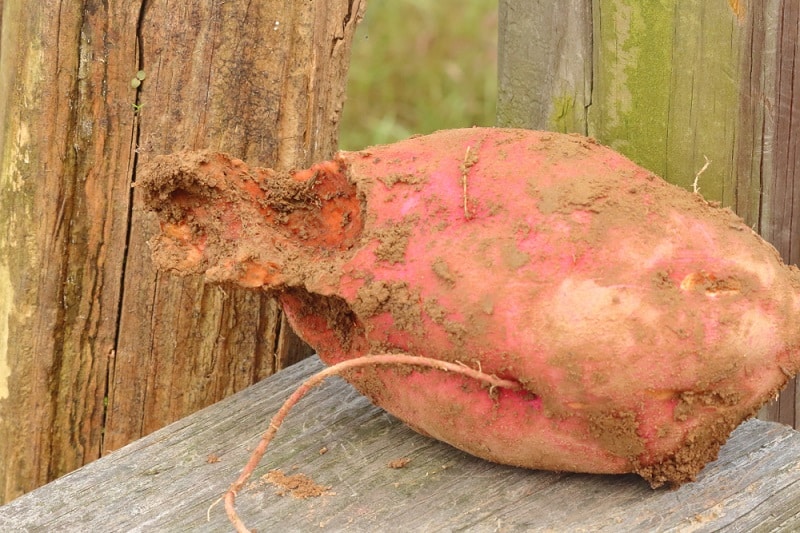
x=262, y=80
x=544, y=64
x=164, y=482
x=665, y=87
x=769, y=149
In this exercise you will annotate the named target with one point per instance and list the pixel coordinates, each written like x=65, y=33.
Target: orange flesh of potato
x=643, y=324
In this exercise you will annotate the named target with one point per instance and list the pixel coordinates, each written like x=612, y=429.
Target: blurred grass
x=419, y=66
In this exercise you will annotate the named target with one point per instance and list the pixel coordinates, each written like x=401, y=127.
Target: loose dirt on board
x=298, y=486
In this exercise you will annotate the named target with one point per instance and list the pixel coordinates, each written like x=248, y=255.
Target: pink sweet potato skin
x=643, y=324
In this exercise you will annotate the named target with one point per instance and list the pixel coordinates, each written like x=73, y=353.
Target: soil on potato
x=226, y=218
x=235, y=223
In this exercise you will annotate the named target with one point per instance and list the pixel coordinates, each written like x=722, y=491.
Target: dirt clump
x=299, y=486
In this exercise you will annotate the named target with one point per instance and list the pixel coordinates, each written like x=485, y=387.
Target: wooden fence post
x=671, y=85
x=96, y=348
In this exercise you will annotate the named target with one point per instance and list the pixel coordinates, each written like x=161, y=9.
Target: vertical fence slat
x=544, y=64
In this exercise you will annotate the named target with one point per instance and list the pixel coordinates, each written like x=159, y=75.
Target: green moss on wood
x=632, y=68
x=562, y=119
x=665, y=89
x=6, y=298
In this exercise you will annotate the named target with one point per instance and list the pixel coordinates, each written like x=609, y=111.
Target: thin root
x=470, y=159
x=208, y=512
x=464, y=170
x=695, y=184
x=316, y=379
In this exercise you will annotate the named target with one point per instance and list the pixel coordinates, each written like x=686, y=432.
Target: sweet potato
x=641, y=323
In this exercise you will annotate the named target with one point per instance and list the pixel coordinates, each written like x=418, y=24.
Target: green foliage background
x=419, y=66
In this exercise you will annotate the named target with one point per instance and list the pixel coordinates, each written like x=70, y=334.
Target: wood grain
x=67, y=136
x=165, y=482
x=545, y=64
x=261, y=80
x=769, y=148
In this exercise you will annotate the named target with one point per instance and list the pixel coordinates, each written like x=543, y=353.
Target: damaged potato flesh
x=642, y=324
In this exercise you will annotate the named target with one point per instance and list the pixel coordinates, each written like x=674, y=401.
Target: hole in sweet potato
x=710, y=284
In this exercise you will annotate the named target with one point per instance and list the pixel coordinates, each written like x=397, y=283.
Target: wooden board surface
x=165, y=482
